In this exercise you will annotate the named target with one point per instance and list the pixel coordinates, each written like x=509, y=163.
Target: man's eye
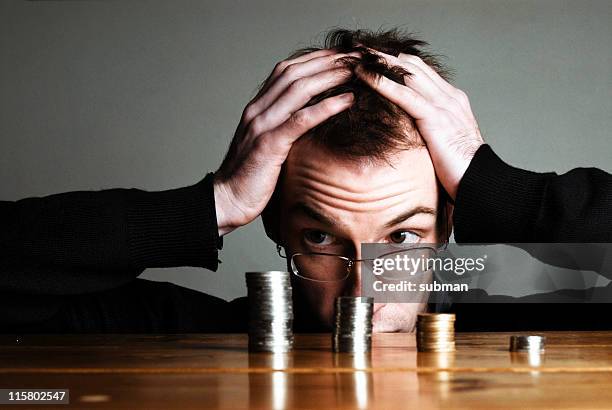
x=404, y=237
x=318, y=237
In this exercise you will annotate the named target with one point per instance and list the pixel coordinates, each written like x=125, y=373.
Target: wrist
x=221, y=203
x=228, y=216
x=462, y=155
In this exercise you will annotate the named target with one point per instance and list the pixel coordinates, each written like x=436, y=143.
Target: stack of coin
x=524, y=343
x=436, y=332
x=352, y=324
x=270, y=311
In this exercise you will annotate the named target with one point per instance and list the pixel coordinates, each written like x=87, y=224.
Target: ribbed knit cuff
x=497, y=203
x=174, y=228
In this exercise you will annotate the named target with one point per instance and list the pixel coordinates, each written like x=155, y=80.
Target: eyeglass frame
x=351, y=261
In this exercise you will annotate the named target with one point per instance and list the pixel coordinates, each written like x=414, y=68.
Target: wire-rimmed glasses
x=328, y=267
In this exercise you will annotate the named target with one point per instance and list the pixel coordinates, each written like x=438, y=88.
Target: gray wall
x=99, y=94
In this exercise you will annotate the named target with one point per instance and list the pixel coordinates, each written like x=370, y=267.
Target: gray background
x=98, y=95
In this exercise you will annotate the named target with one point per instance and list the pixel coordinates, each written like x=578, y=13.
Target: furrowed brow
x=312, y=213
x=409, y=214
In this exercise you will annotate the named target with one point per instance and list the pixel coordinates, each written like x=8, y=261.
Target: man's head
x=362, y=176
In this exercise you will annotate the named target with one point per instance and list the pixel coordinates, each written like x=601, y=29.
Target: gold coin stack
x=435, y=332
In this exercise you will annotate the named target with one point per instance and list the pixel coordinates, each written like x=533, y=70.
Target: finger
x=423, y=84
x=405, y=97
x=419, y=81
x=427, y=69
x=295, y=97
x=313, y=54
x=307, y=118
x=293, y=72
x=427, y=81
x=453, y=92
x=380, y=53
x=280, y=67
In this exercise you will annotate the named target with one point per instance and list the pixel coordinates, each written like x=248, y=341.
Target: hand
x=442, y=115
x=270, y=124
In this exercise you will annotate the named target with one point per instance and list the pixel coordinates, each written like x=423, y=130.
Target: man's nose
x=354, y=284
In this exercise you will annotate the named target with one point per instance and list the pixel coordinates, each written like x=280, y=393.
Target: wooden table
x=216, y=371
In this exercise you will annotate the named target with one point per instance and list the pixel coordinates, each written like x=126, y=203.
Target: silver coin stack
x=270, y=311
x=353, y=324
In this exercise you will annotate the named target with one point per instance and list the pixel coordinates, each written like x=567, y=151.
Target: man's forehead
x=312, y=167
x=348, y=191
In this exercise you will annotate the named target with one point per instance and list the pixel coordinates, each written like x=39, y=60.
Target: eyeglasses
x=327, y=267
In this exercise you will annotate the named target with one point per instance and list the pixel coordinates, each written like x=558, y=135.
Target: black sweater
x=70, y=261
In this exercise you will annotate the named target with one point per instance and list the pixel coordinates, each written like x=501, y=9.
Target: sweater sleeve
x=498, y=203
x=88, y=241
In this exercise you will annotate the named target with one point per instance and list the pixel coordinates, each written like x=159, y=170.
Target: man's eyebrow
x=409, y=214
x=313, y=214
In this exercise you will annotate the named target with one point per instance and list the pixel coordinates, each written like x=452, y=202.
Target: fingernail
x=347, y=97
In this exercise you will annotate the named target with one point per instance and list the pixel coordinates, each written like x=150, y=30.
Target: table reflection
x=440, y=380
x=354, y=389
x=270, y=389
x=351, y=386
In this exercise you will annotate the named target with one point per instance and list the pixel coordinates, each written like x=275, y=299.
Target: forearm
x=497, y=203
x=140, y=306
x=92, y=240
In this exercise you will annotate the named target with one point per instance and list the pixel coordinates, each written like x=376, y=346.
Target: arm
x=499, y=203
x=495, y=202
x=569, y=309
x=140, y=306
x=93, y=244
x=81, y=242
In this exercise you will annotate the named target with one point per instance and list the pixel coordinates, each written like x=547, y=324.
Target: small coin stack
x=436, y=332
x=524, y=343
x=270, y=311
x=352, y=324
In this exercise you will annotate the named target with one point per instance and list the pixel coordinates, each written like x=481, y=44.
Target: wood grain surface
x=217, y=371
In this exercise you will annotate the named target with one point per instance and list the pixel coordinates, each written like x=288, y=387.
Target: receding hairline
x=412, y=141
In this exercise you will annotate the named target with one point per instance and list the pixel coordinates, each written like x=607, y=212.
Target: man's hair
x=373, y=127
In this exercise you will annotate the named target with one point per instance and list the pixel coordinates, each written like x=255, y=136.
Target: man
x=69, y=260
x=497, y=203
x=361, y=176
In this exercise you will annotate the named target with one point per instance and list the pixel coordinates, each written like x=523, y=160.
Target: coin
x=527, y=343
x=352, y=324
x=270, y=321
x=435, y=332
